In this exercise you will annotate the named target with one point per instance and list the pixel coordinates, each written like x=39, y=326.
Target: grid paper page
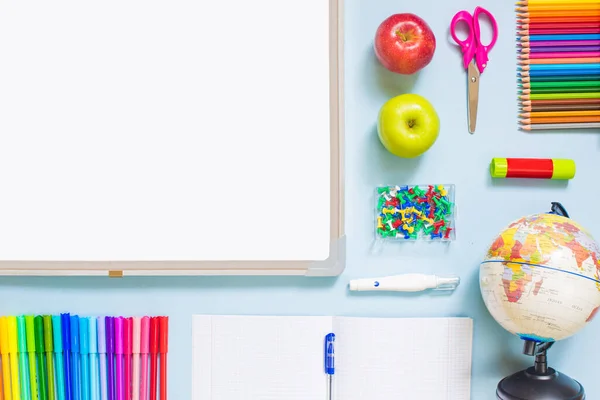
x=385, y=358
x=259, y=358
x=137, y=130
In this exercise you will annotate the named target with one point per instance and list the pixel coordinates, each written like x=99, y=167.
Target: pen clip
x=329, y=354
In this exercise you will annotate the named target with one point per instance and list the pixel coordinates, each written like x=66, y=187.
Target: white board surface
x=164, y=130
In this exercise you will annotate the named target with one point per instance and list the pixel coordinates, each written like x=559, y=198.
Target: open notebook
x=281, y=358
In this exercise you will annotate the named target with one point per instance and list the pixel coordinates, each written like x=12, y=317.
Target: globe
x=540, y=279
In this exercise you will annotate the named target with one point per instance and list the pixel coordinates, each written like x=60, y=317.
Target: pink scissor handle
x=467, y=46
x=482, y=51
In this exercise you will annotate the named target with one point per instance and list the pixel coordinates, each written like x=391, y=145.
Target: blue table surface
x=484, y=208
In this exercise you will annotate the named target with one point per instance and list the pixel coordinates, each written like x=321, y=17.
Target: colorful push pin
x=533, y=168
x=379, y=224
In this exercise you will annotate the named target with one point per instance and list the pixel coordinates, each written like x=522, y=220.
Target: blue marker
x=84, y=349
x=330, y=362
x=58, y=361
x=75, y=370
x=94, y=375
x=66, y=344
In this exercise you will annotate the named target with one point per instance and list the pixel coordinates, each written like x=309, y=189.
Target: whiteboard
x=171, y=137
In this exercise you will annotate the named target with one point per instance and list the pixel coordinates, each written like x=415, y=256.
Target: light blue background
x=485, y=207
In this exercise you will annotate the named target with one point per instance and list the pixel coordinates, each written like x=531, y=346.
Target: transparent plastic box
x=408, y=213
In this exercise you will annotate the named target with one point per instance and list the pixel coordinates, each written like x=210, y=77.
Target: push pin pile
x=413, y=212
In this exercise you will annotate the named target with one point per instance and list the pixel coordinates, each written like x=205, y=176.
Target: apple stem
x=403, y=36
x=411, y=123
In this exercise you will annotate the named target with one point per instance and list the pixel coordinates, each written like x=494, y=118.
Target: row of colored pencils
x=559, y=64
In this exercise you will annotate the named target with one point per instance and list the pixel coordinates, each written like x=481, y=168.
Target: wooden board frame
x=332, y=266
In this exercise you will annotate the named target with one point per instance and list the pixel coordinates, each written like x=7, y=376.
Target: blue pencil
x=565, y=72
x=538, y=38
x=545, y=67
x=66, y=338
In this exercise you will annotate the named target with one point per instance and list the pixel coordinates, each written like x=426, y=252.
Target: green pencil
x=562, y=90
x=561, y=96
x=562, y=84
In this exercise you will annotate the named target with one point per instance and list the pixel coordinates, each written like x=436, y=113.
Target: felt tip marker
x=101, y=326
x=58, y=357
x=66, y=342
x=13, y=351
x=163, y=349
x=30, y=333
x=93, y=346
x=49, y=349
x=84, y=350
x=135, y=350
x=406, y=283
x=40, y=352
x=23, y=366
x=75, y=364
x=144, y=351
x=153, y=356
x=5, y=358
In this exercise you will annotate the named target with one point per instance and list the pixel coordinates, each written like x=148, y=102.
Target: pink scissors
x=475, y=54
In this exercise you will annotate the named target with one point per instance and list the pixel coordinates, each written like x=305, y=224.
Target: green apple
x=408, y=125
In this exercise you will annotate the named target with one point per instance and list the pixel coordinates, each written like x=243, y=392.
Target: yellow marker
x=5, y=362
x=379, y=224
x=13, y=346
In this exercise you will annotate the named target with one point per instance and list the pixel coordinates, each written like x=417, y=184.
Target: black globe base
x=539, y=382
x=532, y=385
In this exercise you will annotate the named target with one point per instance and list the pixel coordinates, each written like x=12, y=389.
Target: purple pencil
x=110, y=356
x=544, y=43
x=567, y=49
x=588, y=54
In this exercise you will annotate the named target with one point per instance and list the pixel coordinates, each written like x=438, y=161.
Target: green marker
x=49, y=347
x=39, y=352
x=23, y=367
x=30, y=332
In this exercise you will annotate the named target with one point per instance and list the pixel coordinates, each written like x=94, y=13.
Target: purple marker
x=110, y=356
x=102, y=357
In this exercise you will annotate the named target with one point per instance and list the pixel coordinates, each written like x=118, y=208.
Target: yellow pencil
x=550, y=2
x=557, y=114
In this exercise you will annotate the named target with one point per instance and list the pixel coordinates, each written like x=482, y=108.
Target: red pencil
x=163, y=348
x=153, y=355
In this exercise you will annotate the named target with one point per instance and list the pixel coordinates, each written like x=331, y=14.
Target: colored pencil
x=526, y=2
x=561, y=43
x=589, y=60
x=559, y=55
x=566, y=25
x=559, y=49
x=526, y=78
x=574, y=13
x=559, y=7
x=566, y=84
x=561, y=90
x=562, y=72
x=554, y=20
x=558, y=120
x=553, y=38
x=555, y=96
x=563, y=107
x=588, y=125
x=560, y=102
x=560, y=114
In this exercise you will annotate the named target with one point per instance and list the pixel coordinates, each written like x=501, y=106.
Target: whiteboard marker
x=406, y=283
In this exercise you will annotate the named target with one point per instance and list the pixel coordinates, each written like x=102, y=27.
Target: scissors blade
x=473, y=94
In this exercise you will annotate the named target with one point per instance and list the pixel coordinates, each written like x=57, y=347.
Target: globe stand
x=539, y=382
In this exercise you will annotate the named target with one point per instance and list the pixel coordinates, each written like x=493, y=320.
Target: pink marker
x=119, y=358
x=135, y=350
x=144, y=350
x=127, y=356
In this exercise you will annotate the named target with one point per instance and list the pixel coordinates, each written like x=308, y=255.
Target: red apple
x=404, y=43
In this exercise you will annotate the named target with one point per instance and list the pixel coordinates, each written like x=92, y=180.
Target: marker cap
x=127, y=336
x=153, y=335
x=101, y=326
x=110, y=335
x=38, y=322
x=563, y=169
x=57, y=333
x=119, y=335
x=22, y=334
x=163, y=338
x=3, y=336
x=48, y=339
x=75, y=333
x=30, y=329
x=93, y=335
x=66, y=331
x=136, y=330
x=145, y=335
x=13, y=346
x=499, y=167
x=84, y=335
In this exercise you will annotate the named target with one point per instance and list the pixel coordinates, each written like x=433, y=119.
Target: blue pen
x=66, y=341
x=58, y=353
x=84, y=349
x=75, y=369
x=94, y=376
x=330, y=362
